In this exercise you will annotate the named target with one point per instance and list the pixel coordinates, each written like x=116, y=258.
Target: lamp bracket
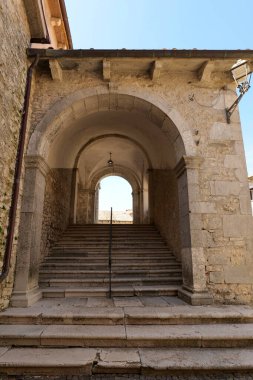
x=243, y=88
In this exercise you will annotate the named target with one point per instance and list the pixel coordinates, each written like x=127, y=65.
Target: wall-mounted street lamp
x=110, y=161
x=241, y=74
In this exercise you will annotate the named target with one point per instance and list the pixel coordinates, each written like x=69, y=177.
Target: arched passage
x=68, y=146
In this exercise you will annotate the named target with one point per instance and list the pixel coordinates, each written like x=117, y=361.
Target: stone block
x=225, y=188
x=207, y=239
x=91, y=104
x=224, y=131
x=211, y=222
x=245, y=204
x=239, y=274
x=198, y=269
x=237, y=225
x=71, y=361
x=196, y=222
x=121, y=360
x=203, y=207
x=218, y=258
x=216, y=277
x=234, y=162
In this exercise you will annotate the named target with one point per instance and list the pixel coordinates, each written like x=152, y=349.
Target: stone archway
x=99, y=99
x=137, y=194
x=140, y=189
x=167, y=126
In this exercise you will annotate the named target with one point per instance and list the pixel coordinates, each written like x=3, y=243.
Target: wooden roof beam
x=56, y=70
x=155, y=70
x=205, y=71
x=106, y=70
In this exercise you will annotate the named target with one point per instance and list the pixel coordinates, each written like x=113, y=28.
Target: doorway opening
x=116, y=192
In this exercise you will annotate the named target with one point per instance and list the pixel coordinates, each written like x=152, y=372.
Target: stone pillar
x=96, y=206
x=26, y=290
x=82, y=206
x=136, y=206
x=73, y=200
x=194, y=288
x=85, y=206
x=91, y=206
x=150, y=198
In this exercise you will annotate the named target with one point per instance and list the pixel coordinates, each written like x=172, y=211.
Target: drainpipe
x=17, y=173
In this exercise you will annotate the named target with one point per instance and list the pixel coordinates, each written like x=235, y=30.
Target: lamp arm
x=231, y=109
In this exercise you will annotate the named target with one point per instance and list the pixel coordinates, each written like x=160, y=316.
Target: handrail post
x=110, y=257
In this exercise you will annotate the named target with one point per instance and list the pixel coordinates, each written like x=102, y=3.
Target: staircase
x=67, y=337
x=140, y=337
x=142, y=264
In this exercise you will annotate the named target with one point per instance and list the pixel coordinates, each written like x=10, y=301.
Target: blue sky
x=181, y=24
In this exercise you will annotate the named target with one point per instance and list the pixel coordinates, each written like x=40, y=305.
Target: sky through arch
x=115, y=192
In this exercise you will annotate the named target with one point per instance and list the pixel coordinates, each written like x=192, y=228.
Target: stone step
x=93, y=282
x=118, y=237
x=115, y=273
x=105, y=240
x=104, y=252
x=84, y=267
x=116, y=267
x=141, y=262
x=83, y=263
x=115, y=233
x=103, y=258
x=195, y=336
x=122, y=291
x=138, y=362
x=129, y=315
x=116, y=225
x=116, y=243
x=47, y=273
x=124, y=248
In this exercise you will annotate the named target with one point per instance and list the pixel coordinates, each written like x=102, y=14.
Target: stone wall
x=56, y=207
x=165, y=206
x=15, y=37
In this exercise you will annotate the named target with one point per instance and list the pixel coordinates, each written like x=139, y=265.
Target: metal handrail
x=110, y=257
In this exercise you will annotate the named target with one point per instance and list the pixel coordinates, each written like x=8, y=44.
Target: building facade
x=162, y=115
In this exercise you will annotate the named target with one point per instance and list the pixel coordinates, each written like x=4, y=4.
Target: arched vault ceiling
x=125, y=153
x=147, y=142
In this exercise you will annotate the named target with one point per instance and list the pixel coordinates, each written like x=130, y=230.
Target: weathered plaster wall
x=219, y=206
x=15, y=36
x=56, y=207
x=165, y=206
